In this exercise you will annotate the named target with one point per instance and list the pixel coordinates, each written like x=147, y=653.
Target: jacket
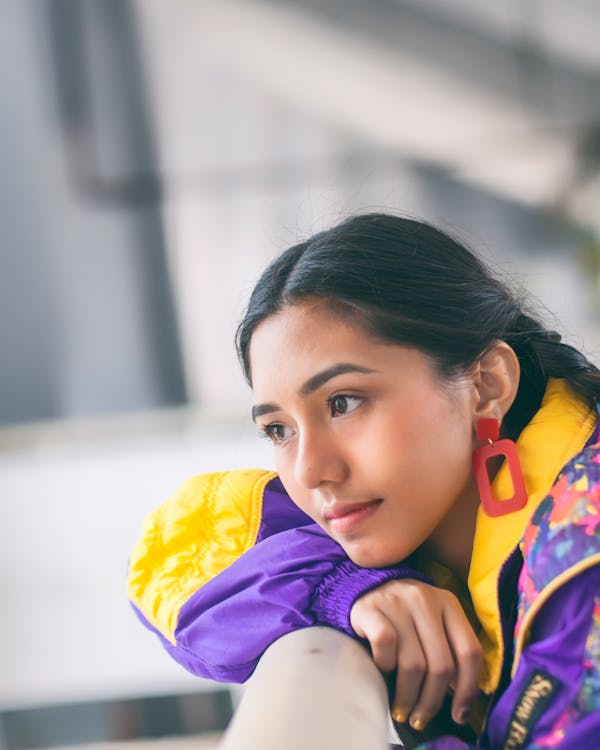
x=230, y=553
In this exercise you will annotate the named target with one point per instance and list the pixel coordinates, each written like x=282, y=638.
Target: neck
x=451, y=544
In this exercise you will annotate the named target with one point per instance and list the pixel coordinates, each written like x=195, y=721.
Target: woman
x=394, y=375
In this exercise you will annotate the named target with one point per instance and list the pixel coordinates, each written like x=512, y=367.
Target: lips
x=340, y=511
x=343, y=519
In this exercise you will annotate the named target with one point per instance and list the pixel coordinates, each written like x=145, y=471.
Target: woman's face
x=369, y=441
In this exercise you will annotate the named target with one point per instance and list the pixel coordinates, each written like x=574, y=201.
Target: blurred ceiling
x=505, y=95
x=560, y=31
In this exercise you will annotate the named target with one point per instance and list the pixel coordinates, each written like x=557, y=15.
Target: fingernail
x=399, y=716
x=417, y=723
x=462, y=715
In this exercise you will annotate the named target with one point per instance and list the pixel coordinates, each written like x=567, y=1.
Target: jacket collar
x=557, y=433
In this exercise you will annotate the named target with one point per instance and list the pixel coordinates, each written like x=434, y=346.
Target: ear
x=496, y=381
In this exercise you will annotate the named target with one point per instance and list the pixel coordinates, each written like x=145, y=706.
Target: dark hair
x=409, y=283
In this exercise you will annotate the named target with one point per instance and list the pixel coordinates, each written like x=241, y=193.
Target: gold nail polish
x=417, y=724
x=398, y=716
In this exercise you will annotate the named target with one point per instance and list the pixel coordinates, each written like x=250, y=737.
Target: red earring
x=489, y=429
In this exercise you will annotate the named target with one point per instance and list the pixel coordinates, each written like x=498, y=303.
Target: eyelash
x=268, y=430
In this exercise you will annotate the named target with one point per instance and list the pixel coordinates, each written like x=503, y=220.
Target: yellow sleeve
x=207, y=525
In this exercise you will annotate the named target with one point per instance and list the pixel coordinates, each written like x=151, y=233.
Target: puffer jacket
x=231, y=554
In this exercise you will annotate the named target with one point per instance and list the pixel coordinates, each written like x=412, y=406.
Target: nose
x=320, y=459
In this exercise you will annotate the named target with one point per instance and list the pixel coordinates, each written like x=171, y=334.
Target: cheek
x=423, y=449
x=391, y=446
x=301, y=497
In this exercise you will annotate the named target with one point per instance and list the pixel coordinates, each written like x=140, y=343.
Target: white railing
x=314, y=689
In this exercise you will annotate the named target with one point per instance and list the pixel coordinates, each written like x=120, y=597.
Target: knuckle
x=366, y=601
x=406, y=587
x=451, y=601
x=382, y=636
x=417, y=591
x=442, y=670
x=412, y=666
x=472, y=652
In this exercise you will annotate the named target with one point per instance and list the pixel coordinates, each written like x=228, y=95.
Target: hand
x=421, y=631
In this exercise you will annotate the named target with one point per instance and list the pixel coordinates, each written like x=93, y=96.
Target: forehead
x=305, y=338
x=302, y=330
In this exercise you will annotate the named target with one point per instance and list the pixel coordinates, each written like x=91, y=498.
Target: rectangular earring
x=489, y=429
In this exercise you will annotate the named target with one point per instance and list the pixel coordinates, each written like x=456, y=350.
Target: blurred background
x=155, y=154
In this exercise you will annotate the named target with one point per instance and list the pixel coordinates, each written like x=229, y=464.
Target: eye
x=276, y=432
x=343, y=404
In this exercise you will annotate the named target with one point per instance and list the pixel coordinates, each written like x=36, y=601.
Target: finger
x=440, y=670
x=381, y=634
x=412, y=666
x=468, y=656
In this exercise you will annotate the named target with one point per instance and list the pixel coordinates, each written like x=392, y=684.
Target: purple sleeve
x=290, y=580
x=554, y=699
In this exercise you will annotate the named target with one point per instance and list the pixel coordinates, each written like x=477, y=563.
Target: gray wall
x=86, y=320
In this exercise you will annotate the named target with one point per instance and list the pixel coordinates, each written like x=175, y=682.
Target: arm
x=229, y=565
x=553, y=700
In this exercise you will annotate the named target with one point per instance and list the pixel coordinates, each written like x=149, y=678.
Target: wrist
x=347, y=582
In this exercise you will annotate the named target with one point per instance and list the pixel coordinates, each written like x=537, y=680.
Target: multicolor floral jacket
x=230, y=564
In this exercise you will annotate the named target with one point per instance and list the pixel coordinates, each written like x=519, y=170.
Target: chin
x=367, y=557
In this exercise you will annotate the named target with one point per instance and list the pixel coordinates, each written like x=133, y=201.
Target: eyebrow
x=314, y=382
